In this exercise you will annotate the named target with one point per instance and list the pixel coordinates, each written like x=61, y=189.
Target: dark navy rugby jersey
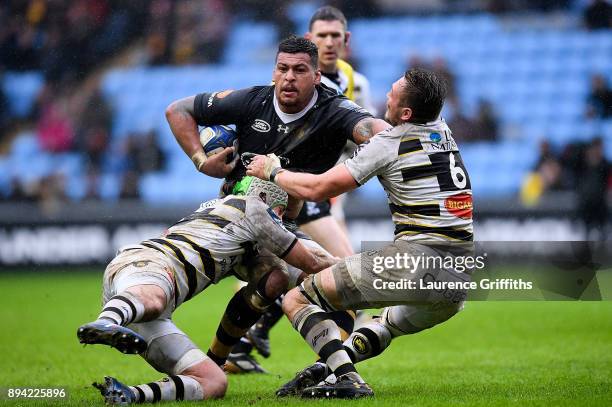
x=313, y=143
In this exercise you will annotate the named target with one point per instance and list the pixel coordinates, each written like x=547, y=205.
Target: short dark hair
x=298, y=45
x=424, y=93
x=328, y=13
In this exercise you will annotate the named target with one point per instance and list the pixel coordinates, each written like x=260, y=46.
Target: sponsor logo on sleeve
x=261, y=126
x=460, y=205
x=439, y=143
x=218, y=95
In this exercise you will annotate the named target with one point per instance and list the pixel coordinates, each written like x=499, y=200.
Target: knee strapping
x=314, y=295
x=172, y=354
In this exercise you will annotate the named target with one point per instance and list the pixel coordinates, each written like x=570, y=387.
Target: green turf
x=492, y=353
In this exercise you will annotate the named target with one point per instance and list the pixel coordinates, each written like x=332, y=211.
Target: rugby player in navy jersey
x=297, y=118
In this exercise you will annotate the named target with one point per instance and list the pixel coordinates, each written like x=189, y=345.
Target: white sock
x=123, y=309
x=169, y=388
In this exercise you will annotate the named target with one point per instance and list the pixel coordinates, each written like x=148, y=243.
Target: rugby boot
x=114, y=392
x=309, y=376
x=242, y=363
x=107, y=333
x=348, y=386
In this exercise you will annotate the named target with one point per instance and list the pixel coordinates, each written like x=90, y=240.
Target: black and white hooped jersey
x=210, y=244
x=427, y=184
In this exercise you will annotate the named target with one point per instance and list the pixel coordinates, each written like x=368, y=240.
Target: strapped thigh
x=311, y=289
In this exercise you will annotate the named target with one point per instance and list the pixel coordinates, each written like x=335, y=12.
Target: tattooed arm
x=367, y=128
x=180, y=116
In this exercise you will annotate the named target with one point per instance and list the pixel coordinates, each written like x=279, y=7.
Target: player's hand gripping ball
x=215, y=139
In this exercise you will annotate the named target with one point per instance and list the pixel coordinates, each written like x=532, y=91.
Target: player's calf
x=368, y=341
x=171, y=388
x=123, y=309
x=243, y=310
x=191, y=374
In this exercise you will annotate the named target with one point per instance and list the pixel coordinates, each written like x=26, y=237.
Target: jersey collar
x=291, y=117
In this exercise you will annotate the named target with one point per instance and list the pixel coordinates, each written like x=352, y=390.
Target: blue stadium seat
x=25, y=145
x=161, y=188
x=608, y=147
x=250, y=42
x=21, y=89
x=32, y=168
x=76, y=186
x=300, y=13
x=69, y=163
x=606, y=130
x=5, y=177
x=109, y=186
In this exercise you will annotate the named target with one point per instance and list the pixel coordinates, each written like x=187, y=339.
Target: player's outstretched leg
x=136, y=304
x=205, y=380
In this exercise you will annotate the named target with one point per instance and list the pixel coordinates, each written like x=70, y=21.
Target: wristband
x=199, y=159
x=275, y=172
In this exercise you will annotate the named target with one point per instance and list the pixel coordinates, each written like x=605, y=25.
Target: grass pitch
x=492, y=353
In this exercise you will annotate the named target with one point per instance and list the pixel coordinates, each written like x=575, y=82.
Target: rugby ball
x=215, y=139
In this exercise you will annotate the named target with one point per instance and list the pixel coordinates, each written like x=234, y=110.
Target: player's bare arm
x=367, y=128
x=311, y=187
x=308, y=260
x=180, y=116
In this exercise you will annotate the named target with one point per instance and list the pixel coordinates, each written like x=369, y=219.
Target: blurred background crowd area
x=85, y=84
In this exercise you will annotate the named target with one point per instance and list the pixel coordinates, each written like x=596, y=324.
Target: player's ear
x=317, y=80
x=406, y=114
x=347, y=37
x=308, y=36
